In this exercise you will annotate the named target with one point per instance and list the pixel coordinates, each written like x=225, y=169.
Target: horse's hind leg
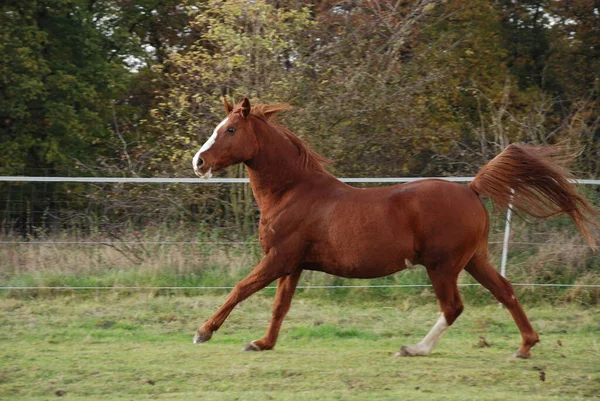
x=286, y=286
x=444, y=285
x=481, y=269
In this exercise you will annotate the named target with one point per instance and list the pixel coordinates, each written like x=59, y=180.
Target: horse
x=312, y=221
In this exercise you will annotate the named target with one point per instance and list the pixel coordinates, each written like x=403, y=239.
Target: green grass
x=111, y=346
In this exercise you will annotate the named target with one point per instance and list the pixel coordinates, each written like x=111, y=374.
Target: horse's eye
x=231, y=130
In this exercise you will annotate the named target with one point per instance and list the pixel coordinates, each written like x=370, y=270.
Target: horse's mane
x=309, y=159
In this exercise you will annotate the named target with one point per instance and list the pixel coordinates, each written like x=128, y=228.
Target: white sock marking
x=436, y=332
x=426, y=345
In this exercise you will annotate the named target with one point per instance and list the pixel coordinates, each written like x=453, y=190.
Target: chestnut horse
x=312, y=221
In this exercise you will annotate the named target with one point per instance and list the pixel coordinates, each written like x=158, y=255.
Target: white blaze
x=195, y=163
x=210, y=142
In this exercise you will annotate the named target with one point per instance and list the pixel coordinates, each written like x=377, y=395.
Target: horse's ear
x=227, y=106
x=246, y=107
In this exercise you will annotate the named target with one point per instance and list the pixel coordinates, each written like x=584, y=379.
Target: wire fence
x=95, y=243
x=12, y=180
x=306, y=287
x=140, y=180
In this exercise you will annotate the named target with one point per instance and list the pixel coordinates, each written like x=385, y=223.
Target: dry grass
x=81, y=258
x=560, y=256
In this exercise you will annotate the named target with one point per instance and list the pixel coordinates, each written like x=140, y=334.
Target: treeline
x=382, y=88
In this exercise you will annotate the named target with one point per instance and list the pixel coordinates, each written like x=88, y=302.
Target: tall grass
x=557, y=256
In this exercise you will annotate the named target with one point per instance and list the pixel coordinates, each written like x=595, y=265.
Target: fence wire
x=139, y=180
x=306, y=287
x=122, y=180
x=198, y=243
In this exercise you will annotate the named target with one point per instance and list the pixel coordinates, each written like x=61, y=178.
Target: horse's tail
x=534, y=180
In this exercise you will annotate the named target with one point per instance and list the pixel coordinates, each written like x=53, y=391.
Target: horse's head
x=232, y=142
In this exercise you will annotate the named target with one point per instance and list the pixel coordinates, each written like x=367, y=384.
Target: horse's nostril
x=200, y=162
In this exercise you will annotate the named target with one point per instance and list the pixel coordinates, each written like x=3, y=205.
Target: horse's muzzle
x=205, y=172
x=199, y=165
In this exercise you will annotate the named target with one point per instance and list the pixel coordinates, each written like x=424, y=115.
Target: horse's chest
x=273, y=231
x=266, y=236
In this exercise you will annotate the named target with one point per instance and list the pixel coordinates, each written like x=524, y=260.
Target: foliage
x=382, y=88
x=247, y=48
x=53, y=85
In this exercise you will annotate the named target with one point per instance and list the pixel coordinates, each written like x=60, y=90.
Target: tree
x=71, y=90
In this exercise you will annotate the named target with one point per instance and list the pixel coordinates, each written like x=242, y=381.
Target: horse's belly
x=361, y=238
x=367, y=271
x=359, y=260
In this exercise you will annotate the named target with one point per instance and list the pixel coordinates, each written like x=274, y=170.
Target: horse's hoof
x=251, y=346
x=202, y=337
x=404, y=351
x=522, y=355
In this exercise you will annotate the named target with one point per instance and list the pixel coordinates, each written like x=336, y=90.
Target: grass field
x=105, y=347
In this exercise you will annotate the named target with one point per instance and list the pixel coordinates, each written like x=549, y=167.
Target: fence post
x=505, y=242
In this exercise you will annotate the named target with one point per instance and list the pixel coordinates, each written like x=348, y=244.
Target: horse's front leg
x=286, y=286
x=270, y=268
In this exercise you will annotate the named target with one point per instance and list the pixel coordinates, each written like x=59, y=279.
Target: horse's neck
x=275, y=169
